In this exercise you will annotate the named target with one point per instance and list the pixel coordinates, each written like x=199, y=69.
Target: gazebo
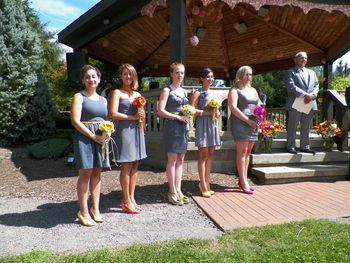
x=220, y=34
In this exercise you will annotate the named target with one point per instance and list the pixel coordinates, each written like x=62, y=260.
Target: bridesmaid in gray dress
x=87, y=111
x=242, y=100
x=129, y=137
x=175, y=140
x=207, y=131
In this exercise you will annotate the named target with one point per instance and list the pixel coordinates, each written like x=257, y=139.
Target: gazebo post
x=327, y=105
x=177, y=30
x=327, y=72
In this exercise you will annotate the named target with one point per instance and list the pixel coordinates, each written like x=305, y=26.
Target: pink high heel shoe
x=240, y=185
x=249, y=191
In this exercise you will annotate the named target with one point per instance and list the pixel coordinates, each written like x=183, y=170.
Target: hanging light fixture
x=200, y=32
x=240, y=27
x=263, y=11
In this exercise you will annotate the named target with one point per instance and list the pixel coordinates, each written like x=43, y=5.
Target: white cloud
x=57, y=8
x=94, y=1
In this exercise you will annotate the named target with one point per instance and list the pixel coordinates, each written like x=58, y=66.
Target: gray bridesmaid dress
x=175, y=138
x=130, y=138
x=88, y=153
x=247, y=101
x=207, y=134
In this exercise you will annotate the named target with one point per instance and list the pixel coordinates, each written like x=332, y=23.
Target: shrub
x=51, y=148
x=340, y=83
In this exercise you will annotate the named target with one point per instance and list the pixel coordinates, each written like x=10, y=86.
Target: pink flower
x=260, y=112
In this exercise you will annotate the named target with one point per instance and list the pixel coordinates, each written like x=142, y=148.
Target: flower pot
x=328, y=144
x=267, y=144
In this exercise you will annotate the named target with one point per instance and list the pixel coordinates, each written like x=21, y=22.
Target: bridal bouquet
x=260, y=113
x=107, y=128
x=214, y=105
x=187, y=111
x=140, y=102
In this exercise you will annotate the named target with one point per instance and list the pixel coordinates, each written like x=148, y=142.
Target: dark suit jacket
x=297, y=86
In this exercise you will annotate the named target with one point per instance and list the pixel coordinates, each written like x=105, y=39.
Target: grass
x=306, y=241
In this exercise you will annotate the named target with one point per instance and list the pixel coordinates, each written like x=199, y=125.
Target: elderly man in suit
x=300, y=82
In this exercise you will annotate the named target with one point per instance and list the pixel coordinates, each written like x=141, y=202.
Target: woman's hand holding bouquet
x=107, y=128
x=140, y=102
x=214, y=105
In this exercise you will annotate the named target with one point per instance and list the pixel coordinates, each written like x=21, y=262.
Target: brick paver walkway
x=274, y=204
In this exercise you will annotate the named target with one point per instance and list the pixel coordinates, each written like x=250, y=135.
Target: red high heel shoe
x=128, y=210
x=240, y=186
x=137, y=206
x=249, y=191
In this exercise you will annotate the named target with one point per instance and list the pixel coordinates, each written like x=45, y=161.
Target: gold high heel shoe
x=212, y=192
x=85, y=222
x=173, y=199
x=185, y=199
x=204, y=194
x=97, y=219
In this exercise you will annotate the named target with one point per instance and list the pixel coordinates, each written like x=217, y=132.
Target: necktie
x=305, y=74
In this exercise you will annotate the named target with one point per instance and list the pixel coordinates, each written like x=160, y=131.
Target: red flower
x=140, y=101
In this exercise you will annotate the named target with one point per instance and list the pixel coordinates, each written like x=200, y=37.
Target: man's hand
x=308, y=98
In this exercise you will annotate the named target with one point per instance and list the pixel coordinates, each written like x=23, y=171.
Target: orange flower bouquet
x=328, y=130
x=107, y=128
x=140, y=102
x=269, y=131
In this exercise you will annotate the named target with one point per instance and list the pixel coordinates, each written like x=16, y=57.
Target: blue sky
x=60, y=13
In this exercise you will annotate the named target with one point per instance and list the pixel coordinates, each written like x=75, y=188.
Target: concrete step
x=226, y=167
x=269, y=159
x=287, y=174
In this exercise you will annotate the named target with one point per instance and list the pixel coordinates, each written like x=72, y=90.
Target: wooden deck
x=229, y=208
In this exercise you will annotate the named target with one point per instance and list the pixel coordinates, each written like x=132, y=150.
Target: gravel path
x=29, y=223
x=38, y=205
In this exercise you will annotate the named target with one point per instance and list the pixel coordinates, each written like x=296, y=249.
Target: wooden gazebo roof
x=264, y=34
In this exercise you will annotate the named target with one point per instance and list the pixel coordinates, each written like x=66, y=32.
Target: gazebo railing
x=154, y=123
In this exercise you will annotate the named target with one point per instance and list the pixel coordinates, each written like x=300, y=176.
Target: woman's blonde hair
x=241, y=73
x=132, y=70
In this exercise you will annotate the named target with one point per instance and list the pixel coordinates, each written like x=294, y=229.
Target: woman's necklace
x=128, y=91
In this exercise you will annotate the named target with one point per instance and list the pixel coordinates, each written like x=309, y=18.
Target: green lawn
x=307, y=241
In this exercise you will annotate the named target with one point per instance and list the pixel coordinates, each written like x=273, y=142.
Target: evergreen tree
x=272, y=84
x=342, y=70
x=26, y=111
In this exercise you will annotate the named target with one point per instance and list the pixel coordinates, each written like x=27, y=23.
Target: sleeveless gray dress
x=247, y=101
x=175, y=137
x=88, y=153
x=130, y=139
x=207, y=134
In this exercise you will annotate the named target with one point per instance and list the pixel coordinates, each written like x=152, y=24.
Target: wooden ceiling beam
x=224, y=46
x=282, y=30
x=154, y=51
x=339, y=46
